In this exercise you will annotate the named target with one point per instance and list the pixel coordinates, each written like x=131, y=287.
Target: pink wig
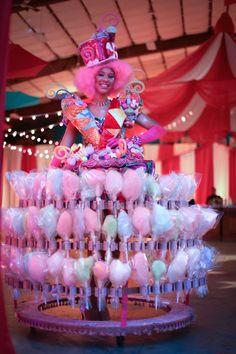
x=85, y=77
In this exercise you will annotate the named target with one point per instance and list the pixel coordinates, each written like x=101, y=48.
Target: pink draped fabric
x=5, y=10
x=204, y=166
x=169, y=161
x=232, y=175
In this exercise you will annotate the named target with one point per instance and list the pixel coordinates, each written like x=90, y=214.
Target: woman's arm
x=154, y=132
x=67, y=140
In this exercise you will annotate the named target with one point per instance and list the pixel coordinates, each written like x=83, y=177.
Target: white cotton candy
x=194, y=255
x=48, y=221
x=54, y=183
x=178, y=267
x=125, y=227
x=119, y=273
x=161, y=221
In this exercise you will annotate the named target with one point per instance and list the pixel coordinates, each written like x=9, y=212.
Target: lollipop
x=158, y=269
x=83, y=268
x=125, y=229
x=109, y=229
x=101, y=273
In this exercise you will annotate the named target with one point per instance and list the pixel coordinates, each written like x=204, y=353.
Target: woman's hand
x=113, y=142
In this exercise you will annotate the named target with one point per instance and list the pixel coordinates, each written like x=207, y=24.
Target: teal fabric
x=19, y=100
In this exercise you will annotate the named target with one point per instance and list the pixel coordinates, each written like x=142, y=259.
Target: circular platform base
x=174, y=316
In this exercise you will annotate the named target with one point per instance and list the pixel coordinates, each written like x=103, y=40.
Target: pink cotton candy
x=55, y=263
x=101, y=272
x=119, y=273
x=91, y=220
x=168, y=185
x=37, y=266
x=68, y=272
x=32, y=222
x=5, y=256
x=54, y=184
x=132, y=185
x=96, y=179
x=178, y=267
x=141, y=220
x=113, y=184
x=39, y=185
x=191, y=218
x=48, y=221
x=78, y=225
x=70, y=184
x=17, y=261
x=140, y=268
x=64, y=225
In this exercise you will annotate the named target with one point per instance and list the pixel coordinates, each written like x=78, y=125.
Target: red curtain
x=204, y=165
x=29, y=162
x=232, y=175
x=169, y=161
x=5, y=10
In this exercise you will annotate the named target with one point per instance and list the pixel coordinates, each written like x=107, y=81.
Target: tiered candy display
x=62, y=240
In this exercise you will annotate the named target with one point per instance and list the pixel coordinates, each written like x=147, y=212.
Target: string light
x=8, y=119
x=179, y=121
x=27, y=151
x=46, y=115
x=33, y=117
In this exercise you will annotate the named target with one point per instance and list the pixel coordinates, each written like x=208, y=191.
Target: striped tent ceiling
x=153, y=35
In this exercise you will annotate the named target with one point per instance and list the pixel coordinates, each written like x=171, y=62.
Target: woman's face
x=104, y=80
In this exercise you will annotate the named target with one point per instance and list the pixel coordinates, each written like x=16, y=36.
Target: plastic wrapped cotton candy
x=18, y=222
x=101, y=273
x=92, y=226
x=178, y=268
x=119, y=275
x=64, y=227
x=48, y=221
x=70, y=185
x=86, y=191
x=29, y=184
x=191, y=218
x=160, y=220
x=83, y=269
x=54, y=185
x=152, y=187
x=70, y=278
x=55, y=264
x=194, y=255
x=140, y=268
x=209, y=219
x=132, y=185
x=36, y=264
x=186, y=187
x=32, y=223
x=78, y=226
x=39, y=187
x=141, y=222
x=5, y=253
x=158, y=269
x=113, y=184
x=125, y=229
x=16, y=264
x=95, y=179
x=109, y=229
x=17, y=181
x=168, y=185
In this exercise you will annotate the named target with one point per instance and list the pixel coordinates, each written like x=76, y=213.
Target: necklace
x=100, y=103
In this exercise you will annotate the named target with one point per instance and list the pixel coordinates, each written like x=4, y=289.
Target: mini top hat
x=100, y=48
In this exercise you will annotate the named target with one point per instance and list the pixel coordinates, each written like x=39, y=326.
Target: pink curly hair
x=85, y=77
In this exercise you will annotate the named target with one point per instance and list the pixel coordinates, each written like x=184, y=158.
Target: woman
x=98, y=82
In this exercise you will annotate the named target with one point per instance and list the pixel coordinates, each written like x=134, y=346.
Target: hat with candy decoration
x=101, y=47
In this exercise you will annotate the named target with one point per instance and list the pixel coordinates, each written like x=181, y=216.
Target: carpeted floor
x=212, y=332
